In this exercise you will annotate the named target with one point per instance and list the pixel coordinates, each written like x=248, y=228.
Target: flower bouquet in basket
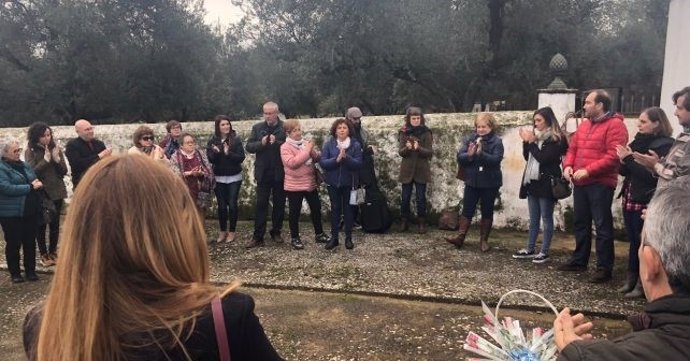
x=513, y=343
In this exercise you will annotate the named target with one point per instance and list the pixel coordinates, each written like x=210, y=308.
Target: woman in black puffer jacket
x=654, y=134
x=224, y=150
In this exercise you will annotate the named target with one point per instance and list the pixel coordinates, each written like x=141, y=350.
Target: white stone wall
x=444, y=191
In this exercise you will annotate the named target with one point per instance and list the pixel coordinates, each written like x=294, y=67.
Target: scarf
x=417, y=131
x=642, y=142
x=299, y=144
x=532, y=167
x=343, y=144
x=686, y=129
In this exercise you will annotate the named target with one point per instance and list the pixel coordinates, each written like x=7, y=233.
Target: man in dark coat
x=661, y=331
x=367, y=174
x=265, y=140
x=84, y=151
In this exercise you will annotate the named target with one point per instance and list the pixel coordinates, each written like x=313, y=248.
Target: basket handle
x=498, y=305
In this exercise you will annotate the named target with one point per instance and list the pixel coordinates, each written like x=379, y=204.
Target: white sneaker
x=540, y=258
x=523, y=254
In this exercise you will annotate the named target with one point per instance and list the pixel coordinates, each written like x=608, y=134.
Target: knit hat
x=353, y=112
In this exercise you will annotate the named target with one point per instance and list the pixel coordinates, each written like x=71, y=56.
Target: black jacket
x=81, y=157
x=662, y=332
x=226, y=164
x=269, y=166
x=247, y=339
x=642, y=182
x=549, y=158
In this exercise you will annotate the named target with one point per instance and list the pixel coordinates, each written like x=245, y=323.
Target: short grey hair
x=6, y=142
x=667, y=230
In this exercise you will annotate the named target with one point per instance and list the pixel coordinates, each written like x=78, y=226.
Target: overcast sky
x=221, y=11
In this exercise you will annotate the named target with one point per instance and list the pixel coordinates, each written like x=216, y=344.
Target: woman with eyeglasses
x=143, y=140
x=191, y=164
x=48, y=162
x=19, y=209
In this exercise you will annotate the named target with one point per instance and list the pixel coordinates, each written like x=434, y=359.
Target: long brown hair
x=133, y=272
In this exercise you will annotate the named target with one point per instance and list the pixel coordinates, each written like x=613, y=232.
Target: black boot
x=636, y=292
x=629, y=283
x=332, y=243
x=296, y=243
x=348, y=242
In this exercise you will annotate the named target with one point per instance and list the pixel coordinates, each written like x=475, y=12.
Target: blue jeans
x=340, y=204
x=472, y=196
x=420, y=199
x=227, y=195
x=592, y=202
x=540, y=208
x=633, y=228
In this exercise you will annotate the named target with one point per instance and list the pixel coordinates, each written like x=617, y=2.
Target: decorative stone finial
x=558, y=66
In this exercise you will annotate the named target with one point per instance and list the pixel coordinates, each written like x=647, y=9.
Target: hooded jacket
x=593, y=148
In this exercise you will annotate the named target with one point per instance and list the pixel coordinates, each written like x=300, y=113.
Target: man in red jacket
x=592, y=165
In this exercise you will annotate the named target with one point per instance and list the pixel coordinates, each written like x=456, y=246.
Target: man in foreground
x=662, y=331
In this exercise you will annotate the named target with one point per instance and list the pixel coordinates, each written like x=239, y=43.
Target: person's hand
x=308, y=145
x=36, y=184
x=215, y=148
x=415, y=145
x=527, y=135
x=226, y=147
x=647, y=160
x=623, y=151
x=580, y=174
x=271, y=138
x=55, y=153
x=568, y=174
x=472, y=149
x=341, y=155
x=264, y=140
x=106, y=152
x=569, y=328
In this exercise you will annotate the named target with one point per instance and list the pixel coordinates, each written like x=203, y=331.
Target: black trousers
x=20, y=233
x=263, y=194
x=53, y=229
x=295, y=201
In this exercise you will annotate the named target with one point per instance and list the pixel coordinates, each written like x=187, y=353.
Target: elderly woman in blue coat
x=18, y=216
x=480, y=156
x=341, y=160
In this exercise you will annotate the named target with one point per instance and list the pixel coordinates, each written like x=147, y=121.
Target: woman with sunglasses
x=19, y=209
x=143, y=140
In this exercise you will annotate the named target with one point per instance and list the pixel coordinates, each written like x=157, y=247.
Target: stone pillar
x=557, y=95
x=676, y=69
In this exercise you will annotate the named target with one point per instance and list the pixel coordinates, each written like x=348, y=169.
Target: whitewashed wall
x=445, y=190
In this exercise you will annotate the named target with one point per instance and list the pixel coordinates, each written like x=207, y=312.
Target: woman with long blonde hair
x=134, y=277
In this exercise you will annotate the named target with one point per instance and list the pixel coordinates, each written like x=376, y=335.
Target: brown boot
x=404, y=225
x=484, y=231
x=462, y=232
x=422, y=227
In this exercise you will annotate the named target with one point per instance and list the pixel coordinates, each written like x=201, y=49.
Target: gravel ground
x=394, y=297
x=423, y=267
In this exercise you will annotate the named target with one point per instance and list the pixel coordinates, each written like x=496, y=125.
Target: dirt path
x=325, y=326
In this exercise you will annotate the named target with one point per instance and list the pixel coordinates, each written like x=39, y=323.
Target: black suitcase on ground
x=375, y=217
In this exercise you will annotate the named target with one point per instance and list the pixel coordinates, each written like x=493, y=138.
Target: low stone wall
x=445, y=191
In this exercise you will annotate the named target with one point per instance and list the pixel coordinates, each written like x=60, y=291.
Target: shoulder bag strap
x=221, y=332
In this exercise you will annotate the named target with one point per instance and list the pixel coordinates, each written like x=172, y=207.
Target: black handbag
x=560, y=188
